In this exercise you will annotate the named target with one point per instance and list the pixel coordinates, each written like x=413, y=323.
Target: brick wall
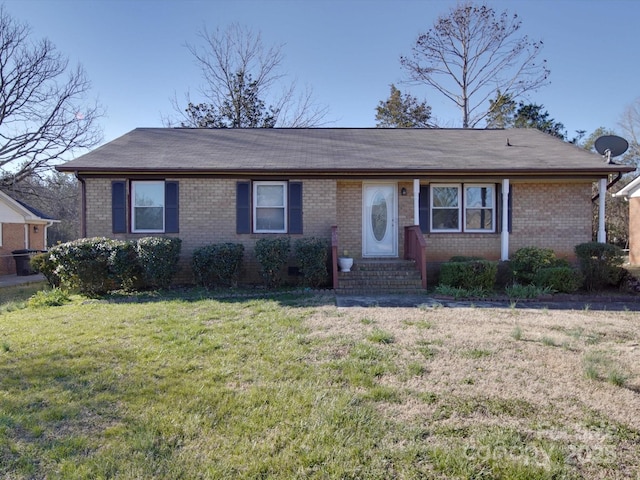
x=13, y=239
x=208, y=215
x=349, y=216
x=551, y=215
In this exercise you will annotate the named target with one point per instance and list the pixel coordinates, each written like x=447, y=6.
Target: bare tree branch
x=241, y=78
x=43, y=116
x=470, y=54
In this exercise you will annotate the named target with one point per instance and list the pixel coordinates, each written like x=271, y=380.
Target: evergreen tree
x=402, y=111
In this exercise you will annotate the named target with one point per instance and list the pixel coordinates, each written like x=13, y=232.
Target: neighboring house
x=631, y=192
x=473, y=192
x=21, y=228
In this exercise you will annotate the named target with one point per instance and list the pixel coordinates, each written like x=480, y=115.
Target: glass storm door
x=379, y=212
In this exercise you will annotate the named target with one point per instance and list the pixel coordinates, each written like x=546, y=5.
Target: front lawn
x=186, y=387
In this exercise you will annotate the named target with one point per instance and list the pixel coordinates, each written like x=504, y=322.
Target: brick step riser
x=386, y=291
x=369, y=276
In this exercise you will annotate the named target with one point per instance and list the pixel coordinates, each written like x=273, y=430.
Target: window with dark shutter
x=119, y=207
x=243, y=207
x=295, y=207
x=171, y=211
x=423, y=208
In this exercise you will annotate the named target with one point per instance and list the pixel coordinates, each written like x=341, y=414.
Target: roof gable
x=14, y=211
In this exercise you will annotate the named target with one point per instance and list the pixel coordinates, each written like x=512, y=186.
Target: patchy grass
x=179, y=385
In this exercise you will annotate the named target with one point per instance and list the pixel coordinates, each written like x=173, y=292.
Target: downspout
x=46, y=234
x=83, y=205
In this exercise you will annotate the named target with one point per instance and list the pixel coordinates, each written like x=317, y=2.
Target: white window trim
x=493, y=208
x=462, y=208
x=432, y=208
x=284, y=206
x=1, y=228
x=133, y=206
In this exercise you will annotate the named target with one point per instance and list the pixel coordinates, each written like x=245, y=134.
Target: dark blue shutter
x=295, y=207
x=243, y=207
x=171, y=224
x=423, y=208
x=510, y=205
x=119, y=207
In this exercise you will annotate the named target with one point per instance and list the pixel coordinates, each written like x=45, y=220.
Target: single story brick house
x=22, y=227
x=631, y=192
x=422, y=194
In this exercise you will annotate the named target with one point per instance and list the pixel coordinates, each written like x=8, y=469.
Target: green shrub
x=158, y=260
x=85, y=265
x=217, y=264
x=272, y=254
x=95, y=266
x=558, y=279
x=476, y=274
x=124, y=266
x=51, y=298
x=43, y=263
x=312, y=255
x=526, y=262
x=600, y=263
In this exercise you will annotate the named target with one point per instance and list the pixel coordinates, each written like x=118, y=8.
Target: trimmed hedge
x=158, y=257
x=601, y=264
x=474, y=274
x=312, y=255
x=526, y=262
x=272, y=254
x=217, y=264
x=558, y=279
x=95, y=266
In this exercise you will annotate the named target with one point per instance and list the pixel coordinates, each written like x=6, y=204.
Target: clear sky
x=347, y=51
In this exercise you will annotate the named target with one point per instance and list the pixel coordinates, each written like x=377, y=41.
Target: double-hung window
x=147, y=206
x=479, y=208
x=463, y=208
x=270, y=207
x=445, y=208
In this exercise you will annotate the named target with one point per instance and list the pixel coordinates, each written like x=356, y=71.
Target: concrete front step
x=380, y=276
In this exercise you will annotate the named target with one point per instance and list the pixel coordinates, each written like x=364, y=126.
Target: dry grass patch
x=508, y=384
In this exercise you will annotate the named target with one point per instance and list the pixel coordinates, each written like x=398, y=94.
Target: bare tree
x=470, y=54
x=43, y=111
x=240, y=76
x=57, y=195
x=630, y=125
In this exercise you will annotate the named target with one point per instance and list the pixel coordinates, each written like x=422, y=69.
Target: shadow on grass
x=284, y=297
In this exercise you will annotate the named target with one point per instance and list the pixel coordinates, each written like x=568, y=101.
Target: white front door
x=379, y=214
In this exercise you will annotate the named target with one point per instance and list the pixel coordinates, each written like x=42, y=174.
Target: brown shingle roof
x=340, y=151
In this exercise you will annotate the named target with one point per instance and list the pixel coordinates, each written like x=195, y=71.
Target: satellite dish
x=611, y=146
